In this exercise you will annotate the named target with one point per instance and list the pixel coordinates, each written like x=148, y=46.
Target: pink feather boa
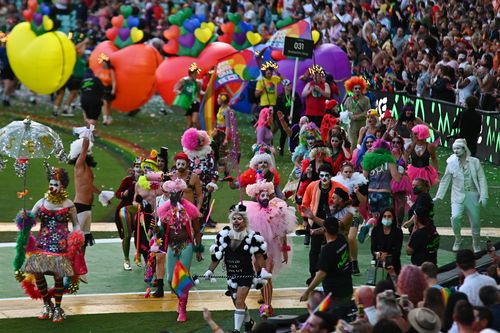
x=191, y=209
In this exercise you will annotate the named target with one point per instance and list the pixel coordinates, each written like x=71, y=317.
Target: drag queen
x=273, y=219
x=468, y=190
x=420, y=153
x=55, y=250
x=236, y=246
x=196, y=144
x=178, y=236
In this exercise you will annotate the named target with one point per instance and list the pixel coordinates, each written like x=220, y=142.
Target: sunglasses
x=396, y=142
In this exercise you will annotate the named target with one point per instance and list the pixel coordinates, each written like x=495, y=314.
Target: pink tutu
x=428, y=173
x=404, y=185
x=273, y=223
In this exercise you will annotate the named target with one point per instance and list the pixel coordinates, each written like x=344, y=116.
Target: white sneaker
x=456, y=245
x=126, y=265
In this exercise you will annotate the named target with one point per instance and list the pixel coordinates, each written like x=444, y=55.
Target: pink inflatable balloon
x=173, y=69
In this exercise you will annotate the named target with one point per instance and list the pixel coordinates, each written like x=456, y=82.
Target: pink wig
x=192, y=139
x=421, y=131
x=173, y=186
x=411, y=282
x=265, y=116
x=260, y=186
x=381, y=143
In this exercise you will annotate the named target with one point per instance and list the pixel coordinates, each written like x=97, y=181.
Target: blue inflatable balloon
x=192, y=24
x=132, y=21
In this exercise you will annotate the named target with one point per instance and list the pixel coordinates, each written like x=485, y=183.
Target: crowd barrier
x=441, y=115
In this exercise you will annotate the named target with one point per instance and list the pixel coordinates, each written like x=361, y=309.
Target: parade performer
x=81, y=157
x=176, y=236
x=236, y=246
x=147, y=188
x=222, y=134
x=357, y=104
x=188, y=91
x=126, y=212
x=55, y=251
x=329, y=119
x=108, y=79
x=196, y=144
x=420, y=152
x=315, y=93
x=267, y=87
x=469, y=190
x=273, y=220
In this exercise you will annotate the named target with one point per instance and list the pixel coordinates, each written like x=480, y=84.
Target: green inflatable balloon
x=197, y=48
x=283, y=23
x=126, y=10
x=186, y=13
x=175, y=19
x=234, y=17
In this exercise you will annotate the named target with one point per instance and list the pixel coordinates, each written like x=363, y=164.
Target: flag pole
x=295, y=70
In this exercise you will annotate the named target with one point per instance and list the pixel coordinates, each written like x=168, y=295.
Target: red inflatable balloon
x=135, y=67
x=173, y=69
x=112, y=33
x=277, y=55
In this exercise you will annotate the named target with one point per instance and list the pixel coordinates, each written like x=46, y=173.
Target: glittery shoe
x=47, y=311
x=59, y=315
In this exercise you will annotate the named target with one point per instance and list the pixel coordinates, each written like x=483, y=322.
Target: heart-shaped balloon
x=124, y=33
x=227, y=28
x=254, y=38
x=112, y=33
x=44, y=9
x=172, y=32
x=136, y=34
x=191, y=25
x=186, y=13
x=284, y=22
x=38, y=18
x=175, y=19
x=126, y=10
x=132, y=21
x=203, y=34
x=32, y=5
x=187, y=40
x=42, y=63
x=234, y=17
x=209, y=25
x=48, y=24
x=28, y=15
x=239, y=38
x=315, y=36
x=226, y=38
x=136, y=63
x=277, y=55
x=117, y=21
x=245, y=27
x=172, y=47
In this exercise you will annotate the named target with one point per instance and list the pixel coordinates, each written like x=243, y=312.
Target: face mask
x=263, y=199
x=54, y=186
x=324, y=177
x=387, y=222
x=417, y=190
x=181, y=165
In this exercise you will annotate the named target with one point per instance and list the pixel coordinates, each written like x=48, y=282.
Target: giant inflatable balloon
x=43, y=62
x=331, y=57
x=238, y=33
x=173, y=69
x=135, y=68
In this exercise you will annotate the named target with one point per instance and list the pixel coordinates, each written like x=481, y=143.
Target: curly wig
x=356, y=81
x=61, y=175
x=421, y=131
x=193, y=139
x=411, y=282
x=253, y=190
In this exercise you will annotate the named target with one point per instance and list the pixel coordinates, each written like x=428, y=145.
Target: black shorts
x=107, y=95
x=6, y=73
x=195, y=107
x=73, y=83
x=91, y=105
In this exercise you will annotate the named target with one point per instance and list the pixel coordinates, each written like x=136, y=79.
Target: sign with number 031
x=298, y=47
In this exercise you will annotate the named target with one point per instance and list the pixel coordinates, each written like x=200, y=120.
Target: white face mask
x=386, y=222
x=324, y=177
x=54, y=186
x=180, y=165
x=262, y=165
x=458, y=150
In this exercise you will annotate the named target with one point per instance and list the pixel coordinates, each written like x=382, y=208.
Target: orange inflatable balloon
x=135, y=67
x=173, y=69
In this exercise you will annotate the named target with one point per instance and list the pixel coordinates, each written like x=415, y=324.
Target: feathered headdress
x=75, y=148
x=193, y=139
x=269, y=65
x=355, y=81
x=174, y=186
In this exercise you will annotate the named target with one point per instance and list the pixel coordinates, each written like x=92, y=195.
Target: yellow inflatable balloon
x=315, y=36
x=136, y=34
x=253, y=37
x=203, y=34
x=209, y=25
x=43, y=63
x=48, y=24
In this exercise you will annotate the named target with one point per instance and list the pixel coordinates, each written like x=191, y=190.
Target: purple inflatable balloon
x=187, y=40
x=331, y=57
x=124, y=33
x=239, y=38
x=38, y=18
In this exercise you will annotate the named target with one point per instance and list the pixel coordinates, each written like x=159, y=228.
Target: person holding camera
x=466, y=84
x=315, y=93
x=387, y=240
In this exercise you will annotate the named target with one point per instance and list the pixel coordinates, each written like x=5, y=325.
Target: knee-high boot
x=182, y=307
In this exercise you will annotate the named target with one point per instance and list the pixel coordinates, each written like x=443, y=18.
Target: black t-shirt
x=92, y=86
x=425, y=243
x=323, y=202
x=334, y=260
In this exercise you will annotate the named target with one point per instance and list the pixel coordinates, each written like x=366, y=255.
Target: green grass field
x=151, y=129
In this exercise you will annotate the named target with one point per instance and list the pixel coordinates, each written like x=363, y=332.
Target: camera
x=388, y=261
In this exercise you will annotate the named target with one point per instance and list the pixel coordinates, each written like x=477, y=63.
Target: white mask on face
x=324, y=177
x=54, y=186
x=386, y=222
x=180, y=165
x=262, y=165
x=137, y=169
x=458, y=150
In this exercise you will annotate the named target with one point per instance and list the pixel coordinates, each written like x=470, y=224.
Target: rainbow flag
x=207, y=108
x=181, y=281
x=301, y=29
x=323, y=306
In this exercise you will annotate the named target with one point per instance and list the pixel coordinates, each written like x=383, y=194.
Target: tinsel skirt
x=59, y=265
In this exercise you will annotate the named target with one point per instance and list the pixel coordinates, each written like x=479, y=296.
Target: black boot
x=159, y=290
x=355, y=268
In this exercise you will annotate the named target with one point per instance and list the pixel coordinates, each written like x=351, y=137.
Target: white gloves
x=208, y=275
x=84, y=132
x=265, y=274
x=105, y=197
x=401, y=170
x=483, y=201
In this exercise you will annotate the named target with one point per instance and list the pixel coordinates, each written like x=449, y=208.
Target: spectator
x=319, y=322
x=387, y=240
x=386, y=326
x=466, y=84
x=468, y=123
x=388, y=308
x=423, y=243
x=424, y=320
x=365, y=297
x=490, y=297
x=411, y=282
x=486, y=81
x=442, y=85
x=483, y=319
x=434, y=301
x=463, y=315
x=473, y=281
x=424, y=79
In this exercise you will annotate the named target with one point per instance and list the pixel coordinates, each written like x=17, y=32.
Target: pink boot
x=182, y=308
